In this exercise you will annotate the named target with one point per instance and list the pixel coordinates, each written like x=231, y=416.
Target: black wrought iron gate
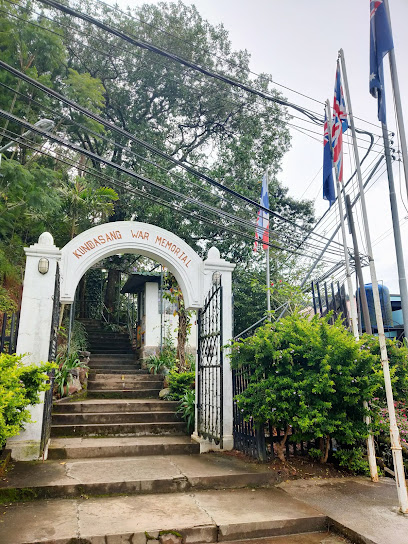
x=210, y=367
x=52, y=354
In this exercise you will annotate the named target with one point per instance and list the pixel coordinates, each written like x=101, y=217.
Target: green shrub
x=186, y=409
x=156, y=365
x=7, y=304
x=308, y=377
x=353, y=459
x=79, y=337
x=65, y=364
x=20, y=386
x=180, y=383
x=398, y=358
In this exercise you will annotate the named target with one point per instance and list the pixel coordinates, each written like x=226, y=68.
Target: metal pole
x=359, y=270
x=161, y=308
x=398, y=104
x=397, y=233
x=394, y=432
x=314, y=299
x=336, y=230
x=268, y=272
x=359, y=316
x=353, y=309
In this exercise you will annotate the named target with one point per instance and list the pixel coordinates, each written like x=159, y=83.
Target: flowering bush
x=402, y=421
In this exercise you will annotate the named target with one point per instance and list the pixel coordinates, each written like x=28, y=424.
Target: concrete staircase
x=122, y=470
x=122, y=400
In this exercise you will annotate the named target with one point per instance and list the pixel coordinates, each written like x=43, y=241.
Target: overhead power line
x=59, y=156
x=148, y=146
x=176, y=58
x=107, y=162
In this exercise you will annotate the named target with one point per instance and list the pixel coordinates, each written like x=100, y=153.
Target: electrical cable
x=104, y=161
x=111, y=126
x=243, y=221
x=55, y=155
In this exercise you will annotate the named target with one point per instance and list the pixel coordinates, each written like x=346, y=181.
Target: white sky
x=297, y=42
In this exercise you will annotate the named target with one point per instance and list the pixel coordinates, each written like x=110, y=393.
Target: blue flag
x=380, y=44
x=328, y=183
x=262, y=222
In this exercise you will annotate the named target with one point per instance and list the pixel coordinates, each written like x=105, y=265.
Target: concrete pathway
x=366, y=511
x=141, y=474
x=205, y=517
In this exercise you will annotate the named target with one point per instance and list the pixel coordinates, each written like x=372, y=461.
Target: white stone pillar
x=34, y=334
x=214, y=263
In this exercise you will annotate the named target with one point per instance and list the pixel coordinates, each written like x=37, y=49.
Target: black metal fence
x=52, y=354
x=9, y=332
x=330, y=298
x=261, y=443
x=210, y=367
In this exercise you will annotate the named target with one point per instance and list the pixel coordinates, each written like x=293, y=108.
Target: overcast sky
x=297, y=42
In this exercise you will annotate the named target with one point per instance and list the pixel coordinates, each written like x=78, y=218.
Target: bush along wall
x=20, y=386
x=309, y=378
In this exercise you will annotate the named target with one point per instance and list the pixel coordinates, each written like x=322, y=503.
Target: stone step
x=108, y=363
x=202, y=517
x=111, y=405
x=108, y=342
x=118, y=429
x=121, y=385
x=77, y=448
x=139, y=378
x=123, y=394
x=113, y=351
x=132, y=475
x=102, y=356
x=98, y=333
x=116, y=370
x=113, y=417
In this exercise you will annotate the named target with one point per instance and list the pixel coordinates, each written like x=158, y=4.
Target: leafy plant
x=353, y=459
x=63, y=375
x=180, y=383
x=309, y=378
x=156, y=365
x=20, y=386
x=7, y=305
x=398, y=358
x=186, y=409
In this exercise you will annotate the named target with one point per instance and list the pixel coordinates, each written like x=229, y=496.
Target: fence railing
x=262, y=442
x=9, y=332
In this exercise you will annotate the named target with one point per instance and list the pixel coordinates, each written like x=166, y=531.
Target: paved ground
x=206, y=516
x=364, y=508
x=142, y=474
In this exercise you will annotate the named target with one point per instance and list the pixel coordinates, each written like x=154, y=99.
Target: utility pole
x=268, y=272
x=359, y=270
x=402, y=279
x=394, y=432
x=397, y=99
x=353, y=309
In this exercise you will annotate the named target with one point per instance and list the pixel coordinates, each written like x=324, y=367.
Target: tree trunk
x=325, y=448
x=111, y=301
x=181, y=340
x=280, y=446
x=83, y=310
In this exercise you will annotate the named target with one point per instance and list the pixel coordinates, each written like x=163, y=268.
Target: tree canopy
x=230, y=135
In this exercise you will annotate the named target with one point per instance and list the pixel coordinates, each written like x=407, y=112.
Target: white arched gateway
x=194, y=276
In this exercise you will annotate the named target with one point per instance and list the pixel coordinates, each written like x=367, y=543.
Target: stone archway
x=192, y=273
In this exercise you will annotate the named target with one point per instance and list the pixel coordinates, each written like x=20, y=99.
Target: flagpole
x=398, y=104
x=353, y=309
x=268, y=272
x=394, y=432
